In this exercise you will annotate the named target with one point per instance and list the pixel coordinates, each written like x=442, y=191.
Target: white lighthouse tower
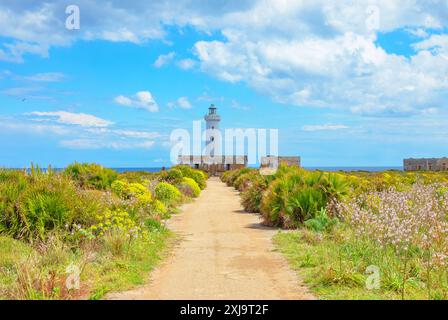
x=212, y=135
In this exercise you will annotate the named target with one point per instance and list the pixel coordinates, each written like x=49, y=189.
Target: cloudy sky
x=347, y=83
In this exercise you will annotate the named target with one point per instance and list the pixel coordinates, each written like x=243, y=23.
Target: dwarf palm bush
x=245, y=180
x=174, y=176
x=295, y=197
x=35, y=204
x=335, y=186
x=91, y=175
x=303, y=203
x=321, y=222
x=252, y=196
x=275, y=202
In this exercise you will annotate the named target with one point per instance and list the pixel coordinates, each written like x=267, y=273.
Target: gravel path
x=224, y=253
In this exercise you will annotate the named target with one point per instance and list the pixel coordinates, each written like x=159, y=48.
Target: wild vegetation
x=88, y=222
x=357, y=235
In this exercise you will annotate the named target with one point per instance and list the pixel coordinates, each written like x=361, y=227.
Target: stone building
x=274, y=162
x=214, y=165
x=425, y=164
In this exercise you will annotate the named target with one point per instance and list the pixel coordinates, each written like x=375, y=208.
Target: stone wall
x=214, y=165
x=273, y=162
x=426, y=164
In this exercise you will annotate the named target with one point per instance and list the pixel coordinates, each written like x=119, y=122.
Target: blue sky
x=345, y=84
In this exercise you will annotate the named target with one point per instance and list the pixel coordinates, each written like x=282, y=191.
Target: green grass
x=11, y=252
x=107, y=272
x=55, y=224
x=132, y=269
x=335, y=270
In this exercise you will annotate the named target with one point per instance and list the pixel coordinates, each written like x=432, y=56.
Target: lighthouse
x=212, y=134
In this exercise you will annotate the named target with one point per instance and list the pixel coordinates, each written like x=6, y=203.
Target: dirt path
x=224, y=254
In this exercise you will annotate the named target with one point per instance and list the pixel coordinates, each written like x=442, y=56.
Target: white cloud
x=21, y=91
x=184, y=103
x=419, y=32
x=436, y=41
x=324, y=127
x=137, y=134
x=34, y=128
x=64, y=117
x=141, y=100
x=14, y=52
x=307, y=53
x=164, y=59
x=92, y=144
x=89, y=132
x=146, y=101
x=122, y=100
x=186, y=64
x=347, y=71
x=122, y=35
x=41, y=24
x=46, y=77
x=181, y=102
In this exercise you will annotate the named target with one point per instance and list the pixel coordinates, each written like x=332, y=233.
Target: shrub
x=252, y=196
x=138, y=176
x=35, y=204
x=137, y=189
x=91, y=175
x=174, y=176
x=119, y=187
x=159, y=210
x=190, y=188
x=44, y=205
x=245, y=180
x=232, y=175
x=111, y=221
x=132, y=190
x=294, y=198
x=304, y=203
x=197, y=175
x=335, y=186
x=274, y=203
x=321, y=222
x=167, y=193
x=200, y=178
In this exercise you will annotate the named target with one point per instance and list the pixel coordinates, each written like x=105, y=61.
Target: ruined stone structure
x=274, y=162
x=426, y=164
x=214, y=165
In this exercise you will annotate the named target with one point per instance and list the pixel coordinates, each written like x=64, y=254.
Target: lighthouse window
x=213, y=138
x=213, y=128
